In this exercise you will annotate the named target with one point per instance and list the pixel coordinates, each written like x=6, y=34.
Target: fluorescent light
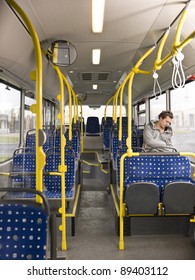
x=97, y=15
x=95, y=86
x=96, y=56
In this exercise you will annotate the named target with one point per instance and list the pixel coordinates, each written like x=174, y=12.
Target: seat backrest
x=74, y=144
x=106, y=137
x=158, y=169
x=53, y=160
x=92, y=126
x=23, y=169
x=31, y=139
x=107, y=123
x=115, y=143
x=124, y=122
x=23, y=227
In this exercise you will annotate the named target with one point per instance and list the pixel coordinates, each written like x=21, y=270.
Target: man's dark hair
x=165, y=114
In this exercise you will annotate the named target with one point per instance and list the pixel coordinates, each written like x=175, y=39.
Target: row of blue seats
x=24, y=162
x=24, y=168
x=150, y=179
x=33, y=219
x=53, y=140
x=23, y=175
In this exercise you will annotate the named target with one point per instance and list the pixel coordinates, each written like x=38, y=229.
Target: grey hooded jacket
x=154, y=140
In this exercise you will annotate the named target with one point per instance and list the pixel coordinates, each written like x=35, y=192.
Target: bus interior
x=74, y=101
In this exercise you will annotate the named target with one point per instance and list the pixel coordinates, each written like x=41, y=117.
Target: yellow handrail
x=75, y=105
x=35, y=108
x=115, y=102
x=135, y=70
x=106, y=107
x=177, y=45
x=121, y=203
x=62, y=168
x=157, y=62
x=120, y=112
x=70, y=107
x=82, y=132
x=179, y=28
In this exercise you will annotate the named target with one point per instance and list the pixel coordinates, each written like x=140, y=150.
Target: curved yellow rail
x=36, y=108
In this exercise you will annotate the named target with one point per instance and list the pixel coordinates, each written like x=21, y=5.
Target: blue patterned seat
x=31, y=139
x=23, y=169
x=158, y=169
x=24, y=227
x=53, y=183
x=117, y=147
x=92, y=126
x=106, y=127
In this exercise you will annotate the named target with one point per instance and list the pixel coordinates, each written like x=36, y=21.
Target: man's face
x=165, y=122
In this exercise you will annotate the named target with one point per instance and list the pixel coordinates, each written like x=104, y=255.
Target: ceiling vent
x=94, y=76
x=103, y=76
x=86, y=76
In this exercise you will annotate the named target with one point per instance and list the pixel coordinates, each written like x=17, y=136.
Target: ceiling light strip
x=97, y=15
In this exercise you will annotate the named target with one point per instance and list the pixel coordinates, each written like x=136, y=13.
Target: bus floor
x=96, y=238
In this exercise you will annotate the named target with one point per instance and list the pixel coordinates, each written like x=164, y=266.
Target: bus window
x=29, y=117
x=183, y=108
x=9, y=121
x=99, y=111
x=90, y=111
x=157, y=105
x=141, y=114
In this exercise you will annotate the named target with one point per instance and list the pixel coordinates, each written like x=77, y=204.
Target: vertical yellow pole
x=129, y=106
x=120, y=113
x=75, y=106
x=62, y=168
x=121, y=209
x=107, y=106
x=70, y=107
x=129, y=144
x=81, y=139
x=36, y=108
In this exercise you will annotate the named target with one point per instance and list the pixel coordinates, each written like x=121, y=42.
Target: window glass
x=29, y=117
x=141, y=119
x=183, y=108
x=142, y=107
x=47, y=122
x=9, y=121
x=98, y=111
x=141, y=115
x=157, y=105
